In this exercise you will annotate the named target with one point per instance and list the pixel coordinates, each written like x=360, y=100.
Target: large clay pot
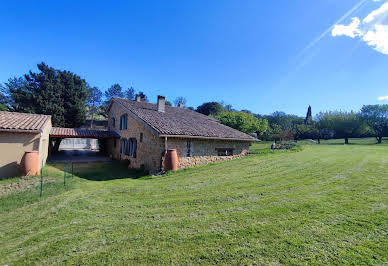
x=171, y=160
x=31, y=163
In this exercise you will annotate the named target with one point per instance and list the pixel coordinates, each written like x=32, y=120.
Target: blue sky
x=258, y=55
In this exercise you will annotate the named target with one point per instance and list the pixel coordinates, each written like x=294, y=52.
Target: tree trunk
x=319, y=141
x=91, y=122
x=379, y=139
x=346, y=140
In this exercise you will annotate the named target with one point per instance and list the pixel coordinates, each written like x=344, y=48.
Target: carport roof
x=59, y=132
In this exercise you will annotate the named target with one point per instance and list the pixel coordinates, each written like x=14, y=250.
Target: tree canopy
x=242, y=121
x=376, y=116
x=58, y=93
x=344, y=124
x=210, y=108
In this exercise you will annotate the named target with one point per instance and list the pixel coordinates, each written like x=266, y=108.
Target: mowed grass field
x=326, y=204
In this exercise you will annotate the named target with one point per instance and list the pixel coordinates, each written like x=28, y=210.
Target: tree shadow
x=100, y=171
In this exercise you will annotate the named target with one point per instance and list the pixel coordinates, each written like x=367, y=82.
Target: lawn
x=326, y=204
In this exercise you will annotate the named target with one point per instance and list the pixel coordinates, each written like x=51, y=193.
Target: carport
x=77, y=154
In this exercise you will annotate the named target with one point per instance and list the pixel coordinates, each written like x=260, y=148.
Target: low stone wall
x=187, y=162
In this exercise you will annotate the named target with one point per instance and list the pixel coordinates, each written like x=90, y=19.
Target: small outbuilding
x=21, y=133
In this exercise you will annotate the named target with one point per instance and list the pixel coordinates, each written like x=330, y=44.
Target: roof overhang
x=36, y=131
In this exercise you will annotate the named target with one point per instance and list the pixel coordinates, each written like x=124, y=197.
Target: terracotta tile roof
x=181, y=122
x=59, y=132
x=13, y=121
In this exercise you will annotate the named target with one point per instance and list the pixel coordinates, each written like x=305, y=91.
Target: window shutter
x=134, y=148
x=126, y=121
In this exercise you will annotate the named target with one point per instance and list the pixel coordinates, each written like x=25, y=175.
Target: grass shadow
x=100, y=171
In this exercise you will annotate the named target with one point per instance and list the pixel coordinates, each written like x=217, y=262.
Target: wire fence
x=68, y=173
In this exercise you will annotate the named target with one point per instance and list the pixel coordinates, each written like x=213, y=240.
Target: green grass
x=326, y=204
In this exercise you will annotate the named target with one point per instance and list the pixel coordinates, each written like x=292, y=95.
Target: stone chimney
x=138, y=98
x=180, y=105
x=161, y=103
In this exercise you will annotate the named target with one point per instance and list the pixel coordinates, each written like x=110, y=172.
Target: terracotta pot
x=31, y=163
x=171, y=160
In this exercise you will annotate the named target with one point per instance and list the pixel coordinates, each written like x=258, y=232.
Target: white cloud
x=351, y=30
x=383, y=98
x=373, y=30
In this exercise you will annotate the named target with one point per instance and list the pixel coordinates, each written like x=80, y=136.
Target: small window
x=224, y=151
x=124, y=122
x=189, y=149
x=113, y=122
x=114, y=143
x=141, y=137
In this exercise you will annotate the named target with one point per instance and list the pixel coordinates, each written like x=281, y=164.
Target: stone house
x=147, y=130
x=19, y=133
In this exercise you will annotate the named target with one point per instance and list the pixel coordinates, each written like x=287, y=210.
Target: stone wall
x=149, y=151
x=205, y=151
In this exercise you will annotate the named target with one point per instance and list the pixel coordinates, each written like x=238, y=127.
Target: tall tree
x=210, y=108
x=180, y=101
x=344, y=124
x=114, y=91
x=309, y=119
x=58, y=93
x=130, y=93
x=94, y=100
x=376, y=116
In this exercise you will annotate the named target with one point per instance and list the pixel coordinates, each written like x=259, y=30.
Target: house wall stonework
x=149, y=151
x=205, y=151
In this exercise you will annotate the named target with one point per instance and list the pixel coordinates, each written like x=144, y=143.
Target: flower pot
x=171, y=160
x=31, y=163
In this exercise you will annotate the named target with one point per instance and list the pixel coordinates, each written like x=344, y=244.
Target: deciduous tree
x=376, y=116
x=210, y=108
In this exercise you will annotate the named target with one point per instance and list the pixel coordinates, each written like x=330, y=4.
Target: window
x=224, y=151
x=128, y=147
x=124, y=122
x=189, y=149
x=113, y=122
x=141, y=137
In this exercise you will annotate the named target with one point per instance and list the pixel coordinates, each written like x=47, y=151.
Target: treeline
x=71, y=100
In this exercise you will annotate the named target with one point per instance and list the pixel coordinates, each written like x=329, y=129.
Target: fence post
x=41, y=180
x=64, y=175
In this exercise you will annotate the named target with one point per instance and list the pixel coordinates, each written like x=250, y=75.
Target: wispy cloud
x=373, y=29
x=328, y=30
x=383, y=98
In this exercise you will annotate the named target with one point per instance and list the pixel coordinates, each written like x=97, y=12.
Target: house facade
x=148, y=130
x=20, y=133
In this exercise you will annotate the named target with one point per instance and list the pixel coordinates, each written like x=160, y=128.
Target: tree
x=303, y=131
x=210, y=108
x=309, y=118
x=285, y=121
x=3, y=107
x=180, y=101
x=114, y=91
x=58, y=93
x=130, y=93
x=168, y=103
x=344, y=124
x=93, y=101
x=242, y=121
x=376, y=116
